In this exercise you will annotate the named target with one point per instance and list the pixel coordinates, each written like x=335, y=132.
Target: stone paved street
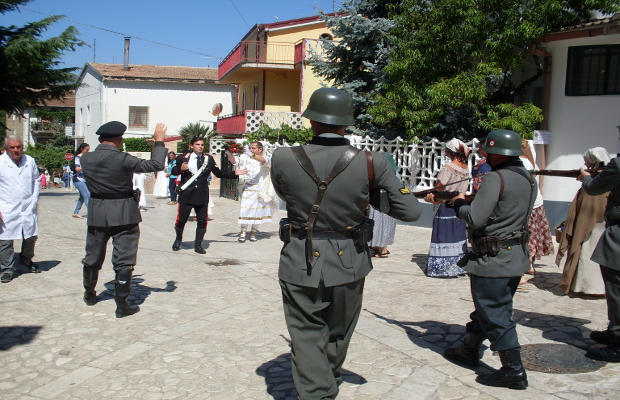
x=212, y=326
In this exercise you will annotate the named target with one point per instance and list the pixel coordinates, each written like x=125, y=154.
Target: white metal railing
x=418, y=163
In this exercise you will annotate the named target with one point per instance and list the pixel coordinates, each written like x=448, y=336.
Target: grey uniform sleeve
x=156, y=163
x=403, y=205
x=477, y=214
x=608, y=179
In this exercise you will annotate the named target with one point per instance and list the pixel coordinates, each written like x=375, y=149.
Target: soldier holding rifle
x=606, y=254
x=497, y=222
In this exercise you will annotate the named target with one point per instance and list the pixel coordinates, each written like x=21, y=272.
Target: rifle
x=441, y=195
x=573, y=173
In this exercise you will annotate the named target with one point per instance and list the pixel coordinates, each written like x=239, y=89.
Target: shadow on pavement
x=548, y=281
x=139, y=291
x=420, y=260
x=558, y=328
x=279, y=378
x=61, y=193
x=17, y=335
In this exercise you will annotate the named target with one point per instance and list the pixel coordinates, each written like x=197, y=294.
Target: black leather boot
x=90, y=282
x=176, y=246
x=200, y=234
x=511, y=375
x=468, y=352
x=123, y=290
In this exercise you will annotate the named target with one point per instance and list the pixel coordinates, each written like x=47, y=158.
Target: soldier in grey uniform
x=606, y=253
x=113, y=211
x=497, y=224
x=322, y=268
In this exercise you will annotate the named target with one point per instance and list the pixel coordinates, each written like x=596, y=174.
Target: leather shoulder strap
x=371, y=169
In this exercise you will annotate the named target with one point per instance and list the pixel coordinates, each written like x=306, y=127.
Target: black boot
x=511, y=375
x=200, y=234
x=176, y=246
x=123, y=289
x=468, y=352
x=90, y=282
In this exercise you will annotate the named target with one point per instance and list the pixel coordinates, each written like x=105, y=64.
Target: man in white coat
x=19, y=194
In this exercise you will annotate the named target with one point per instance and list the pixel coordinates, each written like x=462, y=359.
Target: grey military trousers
x=493, y=315
x=320, y=322
x=611, y=277
x=124, y=239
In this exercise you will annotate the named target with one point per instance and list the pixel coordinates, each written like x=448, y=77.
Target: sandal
x=531, y=271
x=77, y=216
x=383, y=255
x=253, y=238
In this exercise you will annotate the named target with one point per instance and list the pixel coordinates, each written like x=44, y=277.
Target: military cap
x=111, y=129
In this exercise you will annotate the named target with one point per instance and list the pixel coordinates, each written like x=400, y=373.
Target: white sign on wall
x=542, y=137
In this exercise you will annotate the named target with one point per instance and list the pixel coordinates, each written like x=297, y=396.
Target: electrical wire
x=233, y=4
x=125, y=34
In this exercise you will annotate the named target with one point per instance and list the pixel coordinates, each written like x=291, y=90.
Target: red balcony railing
x=255, y=52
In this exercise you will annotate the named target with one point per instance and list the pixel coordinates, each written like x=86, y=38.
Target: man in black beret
x=113, y=211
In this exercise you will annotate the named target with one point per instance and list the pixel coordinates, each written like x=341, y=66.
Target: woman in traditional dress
x=449, y=237
x=585, y=223
x=385, y=226
x=139, y=179
x=540, y=243
x=258, y=198
x=161, y=183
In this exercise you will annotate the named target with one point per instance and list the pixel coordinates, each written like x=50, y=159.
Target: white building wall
x=89, y=95
x=577, y=123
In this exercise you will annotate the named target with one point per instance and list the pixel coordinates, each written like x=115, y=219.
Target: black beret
x=111, y=129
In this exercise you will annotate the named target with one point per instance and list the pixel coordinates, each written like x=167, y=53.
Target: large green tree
x=30, y=70
x=355, y=60
x=451, y=70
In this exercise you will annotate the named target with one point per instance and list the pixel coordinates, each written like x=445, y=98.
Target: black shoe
x=34, y=268
x=176, y=246
x=511, y=375
x=122, y=312
x=602, y=337
x=122, y=286
x=200, y=234
x=468, y=353
x=609, y=354
x=7, y=276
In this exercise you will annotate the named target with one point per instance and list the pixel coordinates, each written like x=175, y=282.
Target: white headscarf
x=597, y=155
x=458, y=146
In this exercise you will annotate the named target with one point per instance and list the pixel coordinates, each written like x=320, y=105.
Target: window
x=326, y=36
x=87, y=115
x=139, y=118
x=593, y=70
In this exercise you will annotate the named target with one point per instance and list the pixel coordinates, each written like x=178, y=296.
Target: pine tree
x=355, y=59
x=29, y=66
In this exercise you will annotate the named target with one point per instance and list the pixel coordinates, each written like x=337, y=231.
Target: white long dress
x=258, y=197
x=161, y=185
x=138, y=183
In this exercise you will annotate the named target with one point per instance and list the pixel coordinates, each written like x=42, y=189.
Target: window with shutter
x=139, y=118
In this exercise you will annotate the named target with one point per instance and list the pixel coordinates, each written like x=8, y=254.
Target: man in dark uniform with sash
x=113, y=210
x=607, y=253
x=325, y=258
x=194, y=168
x=497, y=222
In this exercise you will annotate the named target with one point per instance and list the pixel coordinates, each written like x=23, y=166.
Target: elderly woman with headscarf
x=583, y=227
x=449, y=237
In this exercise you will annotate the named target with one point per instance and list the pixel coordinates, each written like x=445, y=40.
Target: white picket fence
x=418, y=163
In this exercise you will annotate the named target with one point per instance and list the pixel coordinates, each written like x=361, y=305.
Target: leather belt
x=321, y=235
x=111, y=196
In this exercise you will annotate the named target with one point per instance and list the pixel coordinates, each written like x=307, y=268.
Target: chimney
x=126, y=60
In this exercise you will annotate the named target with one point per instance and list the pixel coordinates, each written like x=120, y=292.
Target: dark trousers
x=7, y=253
x=183, y=215
x=611, y=277
x=320, y=322
x=172, y=184
x=125, y=240
x=493, y=315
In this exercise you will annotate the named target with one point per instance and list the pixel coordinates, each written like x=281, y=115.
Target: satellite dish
x=217, y=109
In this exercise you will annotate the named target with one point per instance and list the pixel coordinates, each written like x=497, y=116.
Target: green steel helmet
x=330, y=106
x=503, y=141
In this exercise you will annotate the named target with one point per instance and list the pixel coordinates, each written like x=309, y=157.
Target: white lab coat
x=19, y=194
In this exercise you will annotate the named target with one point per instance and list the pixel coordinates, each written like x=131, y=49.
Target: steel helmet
x=503, y=141
x=330, y=106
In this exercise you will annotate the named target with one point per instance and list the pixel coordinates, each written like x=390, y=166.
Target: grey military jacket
x=607, y=250
x=503, y=216
x=339, y=261
x=109, y=171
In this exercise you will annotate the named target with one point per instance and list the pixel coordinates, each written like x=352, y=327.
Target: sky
x=211, y=28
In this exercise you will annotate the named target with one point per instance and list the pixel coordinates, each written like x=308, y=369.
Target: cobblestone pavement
x=212, y=326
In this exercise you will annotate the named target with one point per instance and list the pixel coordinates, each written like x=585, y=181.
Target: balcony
x=250, y=120
x=248, y=58
x=47, y=127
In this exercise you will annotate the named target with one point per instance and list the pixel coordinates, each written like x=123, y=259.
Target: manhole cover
x=223, y=262
x=555, y=358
